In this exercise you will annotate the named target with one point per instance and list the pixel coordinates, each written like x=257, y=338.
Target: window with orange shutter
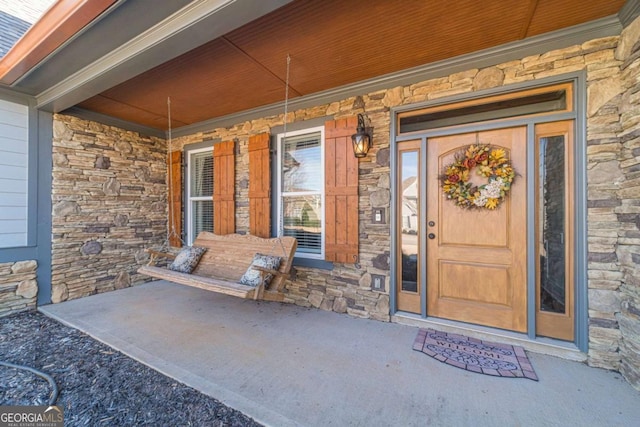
x=300, y=180
x=317, y=191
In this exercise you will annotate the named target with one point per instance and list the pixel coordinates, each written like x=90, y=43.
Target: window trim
x=187, y=197
x=279, y=218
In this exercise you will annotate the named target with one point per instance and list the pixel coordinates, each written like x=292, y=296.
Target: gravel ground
x=98, y=385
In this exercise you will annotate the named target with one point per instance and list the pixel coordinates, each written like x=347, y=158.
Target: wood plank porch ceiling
x=331, y=43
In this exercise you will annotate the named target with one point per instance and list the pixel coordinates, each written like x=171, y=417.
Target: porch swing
x=243, y=266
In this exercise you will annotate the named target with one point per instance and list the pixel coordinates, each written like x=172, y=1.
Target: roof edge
x=58, y=24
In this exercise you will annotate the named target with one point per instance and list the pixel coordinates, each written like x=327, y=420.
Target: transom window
x=538, y=101
x=301, y=190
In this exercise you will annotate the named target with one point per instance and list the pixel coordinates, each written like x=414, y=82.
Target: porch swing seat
x=225, y=261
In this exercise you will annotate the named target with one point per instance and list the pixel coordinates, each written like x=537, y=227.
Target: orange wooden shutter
x=341, y=192
x=259, y=186
x=174, y=196
x=224, y=184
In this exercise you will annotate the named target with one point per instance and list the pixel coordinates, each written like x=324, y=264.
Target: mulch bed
x=99, y=386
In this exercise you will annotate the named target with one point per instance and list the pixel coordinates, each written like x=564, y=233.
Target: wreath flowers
x=490, y=162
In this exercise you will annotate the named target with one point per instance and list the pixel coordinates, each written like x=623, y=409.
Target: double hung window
x=199, y=212
x=301, y=190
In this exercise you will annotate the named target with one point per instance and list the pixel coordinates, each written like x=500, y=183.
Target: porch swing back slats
x=226, y=260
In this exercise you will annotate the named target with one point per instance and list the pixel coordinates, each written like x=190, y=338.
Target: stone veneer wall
x=628, y=210
x=109, y=203
x=18, y=287
x=612, y=210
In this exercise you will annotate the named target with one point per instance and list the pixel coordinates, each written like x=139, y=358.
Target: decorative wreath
x=490, y=162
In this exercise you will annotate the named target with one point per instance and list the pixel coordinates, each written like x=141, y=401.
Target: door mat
x=483, y=357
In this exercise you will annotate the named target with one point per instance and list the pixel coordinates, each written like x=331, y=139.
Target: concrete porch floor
x=285, y=365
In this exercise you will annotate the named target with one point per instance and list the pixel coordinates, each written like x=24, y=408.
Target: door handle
x=431, y=236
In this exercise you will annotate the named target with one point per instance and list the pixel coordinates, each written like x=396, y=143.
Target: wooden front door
x=476, y=258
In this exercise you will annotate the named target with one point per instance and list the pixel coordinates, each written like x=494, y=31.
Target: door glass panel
x=410, y=218
x=551, y=193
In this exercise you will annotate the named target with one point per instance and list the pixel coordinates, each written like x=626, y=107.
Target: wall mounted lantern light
x=361, y=139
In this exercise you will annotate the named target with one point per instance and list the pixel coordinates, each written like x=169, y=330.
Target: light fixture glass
x=361, y=139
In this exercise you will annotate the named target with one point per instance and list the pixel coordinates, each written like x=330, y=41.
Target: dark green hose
x=54, y=388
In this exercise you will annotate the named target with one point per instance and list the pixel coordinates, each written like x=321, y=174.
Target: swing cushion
x=252, y=277
x=187, y=259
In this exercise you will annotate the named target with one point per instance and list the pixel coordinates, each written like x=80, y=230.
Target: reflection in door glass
x=552, y=231
x=410, y=217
